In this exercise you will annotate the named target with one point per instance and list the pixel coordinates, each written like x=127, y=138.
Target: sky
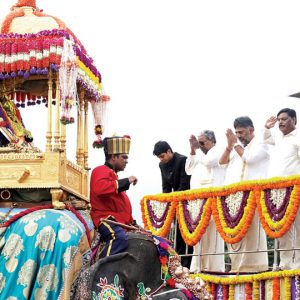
x=176, y=67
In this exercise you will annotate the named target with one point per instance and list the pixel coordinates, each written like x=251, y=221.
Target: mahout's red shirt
x=106, y=197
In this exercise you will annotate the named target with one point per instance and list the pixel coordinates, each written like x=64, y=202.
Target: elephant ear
x=116, y=280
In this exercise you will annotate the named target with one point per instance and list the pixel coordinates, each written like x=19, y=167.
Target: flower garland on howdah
x=36, y=54
x=232, y=208
x=50, y=50
x=57, y=50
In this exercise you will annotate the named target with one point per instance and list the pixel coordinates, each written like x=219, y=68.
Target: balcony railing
x=232, y=209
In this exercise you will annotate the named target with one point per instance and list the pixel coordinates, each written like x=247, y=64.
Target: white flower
x=277, y=196
x=233, y=202
x=194, y=208
x=158, y=208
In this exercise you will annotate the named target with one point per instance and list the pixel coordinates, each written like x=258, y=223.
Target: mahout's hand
x=133, y=180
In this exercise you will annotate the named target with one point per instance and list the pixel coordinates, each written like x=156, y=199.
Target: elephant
x=134, y=274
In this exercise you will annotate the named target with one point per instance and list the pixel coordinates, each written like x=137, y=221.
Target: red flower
x=163, y=260
x=171, y=282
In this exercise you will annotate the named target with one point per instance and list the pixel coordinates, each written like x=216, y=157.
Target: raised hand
x=194, y=142
x=231, y=138
x=270, y=123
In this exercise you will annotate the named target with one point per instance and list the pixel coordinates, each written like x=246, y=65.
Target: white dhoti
x=254, y=240
x=211, y=242
x=290, y=259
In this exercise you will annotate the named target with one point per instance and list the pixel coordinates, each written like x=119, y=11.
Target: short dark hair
x=243, y=122
x=291, y=113
x=107, y=156
x=209, y=134
x=161, y=147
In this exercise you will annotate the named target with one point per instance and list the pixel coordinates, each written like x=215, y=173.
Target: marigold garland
x=236, y=234
x=254, y=284
x=165, y=228
x=213, y=291
x=232, y=235
x=208, y=287
x=276, y=289
x=242, y=279
x=255, y=288
x=225, y=292
x=192, y=238
x=277, y=229
x=231, y=292
x=248, y=291
x=287, y=288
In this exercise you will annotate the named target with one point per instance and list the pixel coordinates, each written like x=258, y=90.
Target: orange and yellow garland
x=236, y=234
x=164, y=230
x=278, y=229
x=196, y=235
x=252, y=284
x=273, y=229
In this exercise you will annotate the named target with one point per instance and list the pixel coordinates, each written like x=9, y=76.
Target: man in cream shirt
x=286, y=158
x=203, y=165
x=246, y=158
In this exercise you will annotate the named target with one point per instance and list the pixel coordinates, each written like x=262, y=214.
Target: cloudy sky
x=176, y=67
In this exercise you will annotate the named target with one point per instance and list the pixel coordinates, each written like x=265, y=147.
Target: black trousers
x=181, y=249
x=114, y=237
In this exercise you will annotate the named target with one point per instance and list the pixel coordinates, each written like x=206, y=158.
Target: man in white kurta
x=285, y=161
x=246, y=160
x=203, y=165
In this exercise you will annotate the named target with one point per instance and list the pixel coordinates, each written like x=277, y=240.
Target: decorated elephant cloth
x=149, y=269
x=40, y=252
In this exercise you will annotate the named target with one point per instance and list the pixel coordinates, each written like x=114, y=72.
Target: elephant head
x=134, y=274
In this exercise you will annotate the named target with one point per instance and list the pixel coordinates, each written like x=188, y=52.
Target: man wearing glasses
x=203, y=165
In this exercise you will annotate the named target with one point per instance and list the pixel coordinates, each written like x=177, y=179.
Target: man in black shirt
x=174, y=178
